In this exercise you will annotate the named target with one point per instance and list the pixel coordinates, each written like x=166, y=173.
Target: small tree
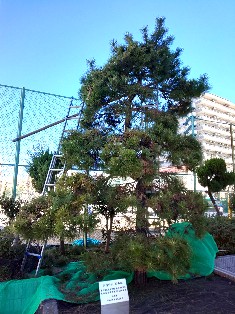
x=109, y=200
x=214, y=175
x=10, y=208
x=35, y=220
x=70, y=202
x=38, y=168
x=172, y=202
x=61, y=213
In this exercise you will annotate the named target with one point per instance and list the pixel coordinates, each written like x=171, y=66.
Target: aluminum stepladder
x=51, y=178
x=38, y=255
x=56, y=158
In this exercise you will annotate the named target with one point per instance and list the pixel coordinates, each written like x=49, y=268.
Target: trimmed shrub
x=223, y=231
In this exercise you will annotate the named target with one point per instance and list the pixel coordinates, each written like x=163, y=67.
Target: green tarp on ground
x=204, y=252
x=74, y=284
x=24, y=296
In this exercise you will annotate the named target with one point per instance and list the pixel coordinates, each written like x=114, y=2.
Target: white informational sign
x=113, y=291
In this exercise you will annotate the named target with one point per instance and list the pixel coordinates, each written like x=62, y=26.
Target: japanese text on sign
x=113, y=291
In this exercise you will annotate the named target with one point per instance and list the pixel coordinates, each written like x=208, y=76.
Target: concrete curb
x=223, y=273
x=225, y=267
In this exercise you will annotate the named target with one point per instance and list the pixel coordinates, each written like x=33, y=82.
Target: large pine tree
x=130, y=118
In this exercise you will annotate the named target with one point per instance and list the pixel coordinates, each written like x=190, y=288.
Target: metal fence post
x=17, y=151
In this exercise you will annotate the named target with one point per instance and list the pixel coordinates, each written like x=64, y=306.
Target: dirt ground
x=212, y=294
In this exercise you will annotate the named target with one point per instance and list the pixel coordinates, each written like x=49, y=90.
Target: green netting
x=204, y=252
x=24, y=296
x=75, y=285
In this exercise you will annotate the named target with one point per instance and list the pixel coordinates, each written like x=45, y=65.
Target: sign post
x=114, y=297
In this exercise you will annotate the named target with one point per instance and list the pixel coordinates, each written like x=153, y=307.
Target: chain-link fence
x=24, y=111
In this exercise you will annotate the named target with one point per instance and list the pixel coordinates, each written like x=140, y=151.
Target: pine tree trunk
x=140, y=277
x=127, y=124
x=85, y=239
x=62, y=246
x=214, y=203
x=109, y=231
x=16, y=240
x=141, y=220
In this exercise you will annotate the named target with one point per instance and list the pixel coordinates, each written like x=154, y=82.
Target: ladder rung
x=39, y=256
x=56, y=169
x=75, y=106
x=33, y=254
x=58, y=156
x=50, y=184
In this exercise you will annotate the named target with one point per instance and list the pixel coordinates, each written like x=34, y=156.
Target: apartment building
x=212, y=121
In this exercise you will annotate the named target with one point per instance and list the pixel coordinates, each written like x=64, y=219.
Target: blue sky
x=45, y=44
